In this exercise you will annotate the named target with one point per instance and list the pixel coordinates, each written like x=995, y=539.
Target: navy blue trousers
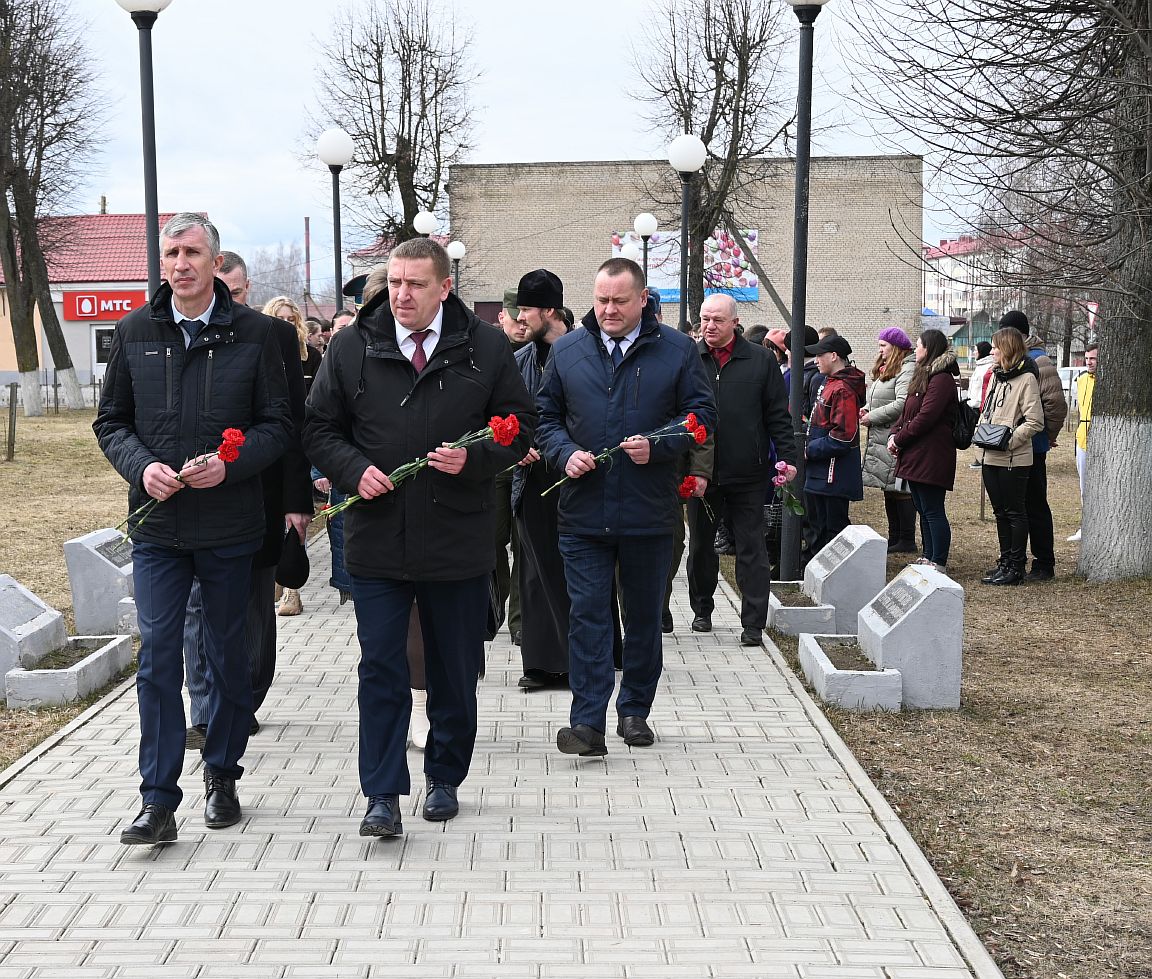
x=452, y=618
x=589, y=564
x=162, y=578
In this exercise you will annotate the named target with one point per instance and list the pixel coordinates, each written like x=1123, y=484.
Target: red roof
x=972, y=245
x=97, y=247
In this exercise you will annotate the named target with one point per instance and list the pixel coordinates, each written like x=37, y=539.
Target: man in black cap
x=832, y=474
x=544, y=603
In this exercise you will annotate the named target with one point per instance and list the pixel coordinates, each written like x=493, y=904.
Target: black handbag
x=994, y=437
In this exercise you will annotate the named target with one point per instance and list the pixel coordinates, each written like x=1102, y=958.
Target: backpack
x=964, y=425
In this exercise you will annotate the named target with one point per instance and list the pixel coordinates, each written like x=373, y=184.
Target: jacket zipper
x=168, y=376
x=208, y=384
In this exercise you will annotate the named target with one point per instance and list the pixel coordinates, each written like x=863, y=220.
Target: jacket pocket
x=461, y=495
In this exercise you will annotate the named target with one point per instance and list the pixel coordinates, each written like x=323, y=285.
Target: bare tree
x=48, y=118
x=713, y=68
x=397, y=79
x=277, y=271
x=1044, y=105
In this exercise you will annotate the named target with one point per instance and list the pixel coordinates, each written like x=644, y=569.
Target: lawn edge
x=959, y=929
x=75, y=724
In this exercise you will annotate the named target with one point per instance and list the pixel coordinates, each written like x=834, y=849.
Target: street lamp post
x=425, y=223
x=336, y=149
x=144, y=14
x=645, y=226
x=790, y=533
x=687, y=154
x=456, y=251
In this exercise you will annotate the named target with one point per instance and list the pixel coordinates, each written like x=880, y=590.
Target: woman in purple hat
x=882, y=408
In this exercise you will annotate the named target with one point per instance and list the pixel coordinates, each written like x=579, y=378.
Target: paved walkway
x=746, y=843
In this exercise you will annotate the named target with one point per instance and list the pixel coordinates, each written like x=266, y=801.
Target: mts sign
x=102, y=306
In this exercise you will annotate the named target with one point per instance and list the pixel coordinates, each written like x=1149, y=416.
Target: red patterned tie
x=419, y=360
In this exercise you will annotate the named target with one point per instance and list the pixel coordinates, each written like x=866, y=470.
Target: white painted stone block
x=916, y=625
x=848, y=573
x=100, y=574
x=30, y=687
x=851, y=689
x=28, y=627
x=795, y=619
x=126, y=622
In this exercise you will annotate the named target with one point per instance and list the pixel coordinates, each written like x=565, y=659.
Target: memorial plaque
x=895, y=601
x=100, y=574
x=118, y=550
x=28, y=627
x=848, y=573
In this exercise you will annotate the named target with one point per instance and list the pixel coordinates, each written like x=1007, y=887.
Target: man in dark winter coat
x=832, y=475
x=415, y=373
x=287, y=500
x=752, y=413
x=182, y=370
x=620, y=376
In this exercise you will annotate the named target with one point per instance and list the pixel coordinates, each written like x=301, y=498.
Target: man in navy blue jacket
x=621, y=376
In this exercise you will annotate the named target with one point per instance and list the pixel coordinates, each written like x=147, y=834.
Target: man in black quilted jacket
x=181, y=370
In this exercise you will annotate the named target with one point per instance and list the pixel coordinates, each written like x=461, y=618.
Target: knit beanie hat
x=897, y=337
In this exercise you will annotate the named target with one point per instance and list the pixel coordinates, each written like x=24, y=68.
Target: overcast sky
x=235, y=78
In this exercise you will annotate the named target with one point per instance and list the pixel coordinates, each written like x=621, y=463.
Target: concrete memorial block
x=100, y=574
x=848, y=573
x=916, y=625
x=792, y=612
x=853, y=689
x=28, y=627
x=93, y=662
x=126, y=621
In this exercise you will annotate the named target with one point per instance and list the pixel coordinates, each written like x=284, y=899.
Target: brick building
x=864, y=232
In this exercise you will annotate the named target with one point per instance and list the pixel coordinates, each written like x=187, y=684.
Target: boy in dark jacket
x=832, y=475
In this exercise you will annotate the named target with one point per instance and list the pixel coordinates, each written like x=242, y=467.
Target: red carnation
x=688, y=488
x=233, y=436
x=700, y=434
x=690, y=422
x=504, y=430
x=229, y=452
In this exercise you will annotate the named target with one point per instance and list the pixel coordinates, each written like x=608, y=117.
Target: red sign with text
x=101, y=306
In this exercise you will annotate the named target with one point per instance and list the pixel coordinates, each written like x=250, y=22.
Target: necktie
x=617, y=353
x=419, y=359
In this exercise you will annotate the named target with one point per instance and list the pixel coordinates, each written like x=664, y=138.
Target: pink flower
x=781, y=466
x=779, y=480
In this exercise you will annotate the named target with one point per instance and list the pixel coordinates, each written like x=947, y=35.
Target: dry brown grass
x=1032, y=801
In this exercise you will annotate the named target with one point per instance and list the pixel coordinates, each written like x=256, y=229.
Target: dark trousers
x=1007, y=492
x=828, y=515
x=935, y=530
x=674, y=565
x=507, y=534
x=744, y=506
x=452, y=617
x=589, y=563
x=162, y=578
x=1041, y=532
x=259, y=641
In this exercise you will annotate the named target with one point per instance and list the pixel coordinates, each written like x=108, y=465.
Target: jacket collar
x=741, y=348
x=222, y=312
x=378, y=325
x=649, y=324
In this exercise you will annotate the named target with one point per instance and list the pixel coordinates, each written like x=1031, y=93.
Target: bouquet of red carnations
x=502, y=431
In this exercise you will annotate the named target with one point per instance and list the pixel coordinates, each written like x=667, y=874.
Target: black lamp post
x=687, y=154
x=144, y=14
x=456, y=251
x=336, y=149
x=645, y=226
x=790, y=533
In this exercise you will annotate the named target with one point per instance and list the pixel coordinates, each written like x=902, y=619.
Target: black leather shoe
x=194, y=737
x=529, y=681
x=752, y=637
x=702, y=623
x=1040, y=572
x=1008, y=576
x=543, y=680
x=517, y=637
x=582, y=740
x=155, y=824
x=440, y=801
x=635, y=732
x=221, y=805
x=382, y=817
x=254, y=727
x=666, y=625
x=992, y=573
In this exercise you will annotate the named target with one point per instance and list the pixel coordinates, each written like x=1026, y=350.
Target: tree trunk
x=20, y=314
x=30, y=394
x=1066, y=344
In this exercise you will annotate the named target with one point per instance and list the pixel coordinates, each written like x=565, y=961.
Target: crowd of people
x=567, y=529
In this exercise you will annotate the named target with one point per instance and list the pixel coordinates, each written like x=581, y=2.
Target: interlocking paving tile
x=741, y=844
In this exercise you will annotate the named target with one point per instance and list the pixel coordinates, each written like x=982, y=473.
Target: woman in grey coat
x=882, y=409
